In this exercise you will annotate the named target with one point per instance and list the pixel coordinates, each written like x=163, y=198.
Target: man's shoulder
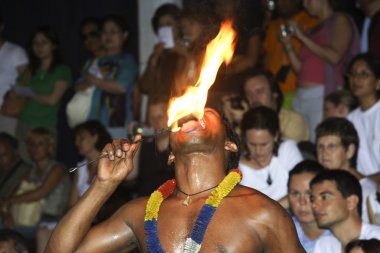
x=327, y=244
x=370, y=231
x=256, y=205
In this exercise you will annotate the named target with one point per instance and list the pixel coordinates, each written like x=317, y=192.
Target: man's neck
x=290, y=15
x=347, y=230
x=1, y=42
x=197, y=172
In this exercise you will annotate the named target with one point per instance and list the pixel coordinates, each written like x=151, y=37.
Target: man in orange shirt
x=276, y=56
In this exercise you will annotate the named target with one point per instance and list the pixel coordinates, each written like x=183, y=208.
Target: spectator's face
x=260, y=144
x=91, y=37
x=7, y=247
x=362, y=80
x=113, y=37
x=38, y=147
x=7, y=156
x=332, y=154
x=191, y=29
x=328, y=204
x=314, y=7
x=167, y=20
x=257, y=92
x=43, y=48
x=299, y=197
x=157, y=116
x=287, y=7
x=85, y=142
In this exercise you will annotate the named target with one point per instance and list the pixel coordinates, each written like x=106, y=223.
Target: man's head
x=217, y=136
x=338, y=104
x=12, y=242
x=261, y=88
x=299, y=189
x=369, y=7
x=90, y=34
x=8, y=151
x=337, y=144
x=336, y=196
x=287, y=8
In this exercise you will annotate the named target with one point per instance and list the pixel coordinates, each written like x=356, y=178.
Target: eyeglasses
x=329, y=148
x=92, y=34
x=360, y=75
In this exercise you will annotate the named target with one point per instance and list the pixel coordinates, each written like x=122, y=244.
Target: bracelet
x=288, y=48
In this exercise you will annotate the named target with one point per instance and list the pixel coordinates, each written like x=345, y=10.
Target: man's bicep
x=112, y=235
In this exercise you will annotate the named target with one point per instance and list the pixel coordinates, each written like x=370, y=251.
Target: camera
x=286, y=30
x=270, y=5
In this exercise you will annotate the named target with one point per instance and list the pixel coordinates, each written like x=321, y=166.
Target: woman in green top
x=47, y=80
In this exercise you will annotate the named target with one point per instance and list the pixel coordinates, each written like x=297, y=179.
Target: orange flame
x=219, y=50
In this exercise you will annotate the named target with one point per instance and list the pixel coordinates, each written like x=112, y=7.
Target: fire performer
x=203, y=209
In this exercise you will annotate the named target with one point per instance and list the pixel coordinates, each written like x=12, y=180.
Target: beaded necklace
x=194, y=242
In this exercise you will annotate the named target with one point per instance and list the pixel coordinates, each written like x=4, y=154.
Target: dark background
x=22, y=17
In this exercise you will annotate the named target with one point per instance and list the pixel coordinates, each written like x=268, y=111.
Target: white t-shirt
x=367, y=124
x=330, y=244
x=83, y=177
x=369, y=187
x=11, y=57
x=278, y=170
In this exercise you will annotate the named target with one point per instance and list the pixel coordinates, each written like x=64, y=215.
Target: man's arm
x=73, y=232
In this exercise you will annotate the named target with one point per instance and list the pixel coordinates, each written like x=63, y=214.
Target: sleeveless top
x=317, y=70
x=55, y=203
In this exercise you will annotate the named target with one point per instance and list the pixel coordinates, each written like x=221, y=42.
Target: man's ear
x=350, y=151
x=171, y=158
x=352, y=202
x=230, y=146
x=125, y=35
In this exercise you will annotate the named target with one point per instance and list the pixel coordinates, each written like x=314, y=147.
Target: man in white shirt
x=337, y=148
x=13, y=60
x=336, y=203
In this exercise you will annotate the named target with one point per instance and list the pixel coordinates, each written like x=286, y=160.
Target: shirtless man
x=245, y=221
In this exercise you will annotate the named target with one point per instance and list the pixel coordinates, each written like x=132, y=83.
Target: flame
x=219, y=50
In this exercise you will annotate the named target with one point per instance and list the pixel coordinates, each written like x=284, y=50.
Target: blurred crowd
x=302, y=91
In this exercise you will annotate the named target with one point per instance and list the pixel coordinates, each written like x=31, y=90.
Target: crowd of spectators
x=302, y=91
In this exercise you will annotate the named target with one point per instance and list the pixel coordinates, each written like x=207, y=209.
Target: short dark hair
x=346, y=183
x=95, y=127
x=19, y=242
x=368, y=246
x=306, y=166
x=342, y=128
x=342, y=97
x=262, y=118
x=9, y=139
x=272, y=80
x=165, y=9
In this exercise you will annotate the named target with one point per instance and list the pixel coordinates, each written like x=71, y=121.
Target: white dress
x=278, y=171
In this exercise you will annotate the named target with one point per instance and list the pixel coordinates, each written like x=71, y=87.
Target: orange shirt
x=276, y=57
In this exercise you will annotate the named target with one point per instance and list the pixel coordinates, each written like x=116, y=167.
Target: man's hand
x=119, y=163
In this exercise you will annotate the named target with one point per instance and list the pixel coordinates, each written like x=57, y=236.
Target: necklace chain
x=190, y=195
